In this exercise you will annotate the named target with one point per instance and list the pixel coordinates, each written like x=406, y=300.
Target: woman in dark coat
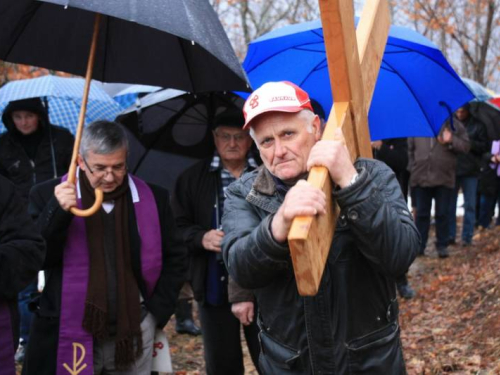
x=22, y=251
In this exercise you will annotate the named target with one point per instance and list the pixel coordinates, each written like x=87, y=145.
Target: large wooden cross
x=354, y=58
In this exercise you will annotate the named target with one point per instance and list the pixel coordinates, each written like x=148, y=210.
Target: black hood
x=32, y=105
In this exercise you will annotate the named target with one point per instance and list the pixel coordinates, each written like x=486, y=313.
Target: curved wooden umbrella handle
x=78, y=137
x=92, y=210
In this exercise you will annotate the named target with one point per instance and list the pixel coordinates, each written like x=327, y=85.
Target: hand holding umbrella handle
x=92, y=210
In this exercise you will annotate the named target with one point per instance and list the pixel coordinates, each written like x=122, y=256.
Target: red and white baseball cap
x=281, y=96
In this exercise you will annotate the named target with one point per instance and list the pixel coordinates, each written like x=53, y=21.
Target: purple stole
x=7, y=365
x=75, y=348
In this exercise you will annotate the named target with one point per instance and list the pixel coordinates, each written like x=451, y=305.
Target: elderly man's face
x=105, y=171
x=285, y=140
x=232, y=143
x=26, y=122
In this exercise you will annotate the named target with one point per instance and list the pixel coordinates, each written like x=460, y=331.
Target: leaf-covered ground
x=452, y=326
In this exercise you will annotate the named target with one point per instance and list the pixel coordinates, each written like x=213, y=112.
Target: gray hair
x=305, y=114
x=103, y=137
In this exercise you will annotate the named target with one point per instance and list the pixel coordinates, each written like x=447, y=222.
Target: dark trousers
x=469, y=189
x=222, y=342
x=24, y=298
x=442, y=197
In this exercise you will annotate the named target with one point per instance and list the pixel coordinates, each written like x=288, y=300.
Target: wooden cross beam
x=354, y=58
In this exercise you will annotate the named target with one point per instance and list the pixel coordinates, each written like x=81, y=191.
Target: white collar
x=131, y=184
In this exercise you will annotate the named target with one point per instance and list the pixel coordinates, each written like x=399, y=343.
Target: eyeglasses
x=101, y=171
x=226, y=137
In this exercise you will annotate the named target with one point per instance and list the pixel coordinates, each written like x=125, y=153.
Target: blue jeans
x=24, y=298
x=469, y=189
x=424, y=197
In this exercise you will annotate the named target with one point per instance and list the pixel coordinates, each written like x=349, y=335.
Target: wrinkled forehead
x=275, y=122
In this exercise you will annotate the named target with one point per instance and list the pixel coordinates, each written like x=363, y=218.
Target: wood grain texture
x=310, y=238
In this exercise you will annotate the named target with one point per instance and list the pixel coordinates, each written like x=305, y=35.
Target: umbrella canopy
x=168, y=43
x=483, y=109
x=495, y=101
x=127, y=97
x=169, y=130
x=64, y=98
x=480, y=92
x=416, y=89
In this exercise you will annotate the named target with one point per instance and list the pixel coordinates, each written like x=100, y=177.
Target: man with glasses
x=113, y=277
x=198, y=205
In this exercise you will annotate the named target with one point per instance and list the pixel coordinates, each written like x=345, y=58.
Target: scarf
x=128, y=304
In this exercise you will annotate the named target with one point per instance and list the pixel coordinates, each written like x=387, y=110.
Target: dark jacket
x=394, y=153
x=351, y=325
x=22, y=249
x=489, y=181
x=53, y=223
x=16, y=165
x=469, y=164
x=193, y=203
x=433, y=164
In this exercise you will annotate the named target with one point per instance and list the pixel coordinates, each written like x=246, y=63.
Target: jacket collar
x=263, y=193
x=264, y=182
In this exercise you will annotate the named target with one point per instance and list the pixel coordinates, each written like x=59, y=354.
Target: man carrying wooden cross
x=351, y=325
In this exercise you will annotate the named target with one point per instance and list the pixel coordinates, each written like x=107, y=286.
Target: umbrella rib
x=191, y=82
x=411, y=90
x=165, y=127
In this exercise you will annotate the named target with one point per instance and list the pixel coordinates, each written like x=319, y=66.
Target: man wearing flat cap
x=198, y=205
x=351, y=325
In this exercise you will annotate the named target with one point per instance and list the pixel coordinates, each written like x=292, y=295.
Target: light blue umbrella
x=128, y=96
x=64, y=97
x=480, y=92
x=416, y=90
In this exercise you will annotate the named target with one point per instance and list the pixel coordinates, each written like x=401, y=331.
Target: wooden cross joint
x=354, y=58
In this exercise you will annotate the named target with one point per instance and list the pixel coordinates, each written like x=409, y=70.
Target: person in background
x=489, y=185
x=22, y=251
x=394, y=153
x=432, y=165
x=199, y=202
x=467, y=172
x=31, y=151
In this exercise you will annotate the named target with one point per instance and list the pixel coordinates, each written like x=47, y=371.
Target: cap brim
x=287, y=109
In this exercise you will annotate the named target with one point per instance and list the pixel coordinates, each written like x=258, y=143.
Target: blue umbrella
x=64, y=97
x=128, y=96
x=416, y=91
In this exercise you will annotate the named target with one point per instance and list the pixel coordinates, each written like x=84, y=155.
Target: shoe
x=188, y=327
x=442, y=252
x=406, y=292
x=452, y=241
x=20, y=354
x=466, y=243
x=184, y=318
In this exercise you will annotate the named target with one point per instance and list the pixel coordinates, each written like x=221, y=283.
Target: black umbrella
x=171, y=43
x=489, y=114
x=170, y=130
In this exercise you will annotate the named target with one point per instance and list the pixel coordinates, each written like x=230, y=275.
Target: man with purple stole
x=113, y=277
x=22, y=250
